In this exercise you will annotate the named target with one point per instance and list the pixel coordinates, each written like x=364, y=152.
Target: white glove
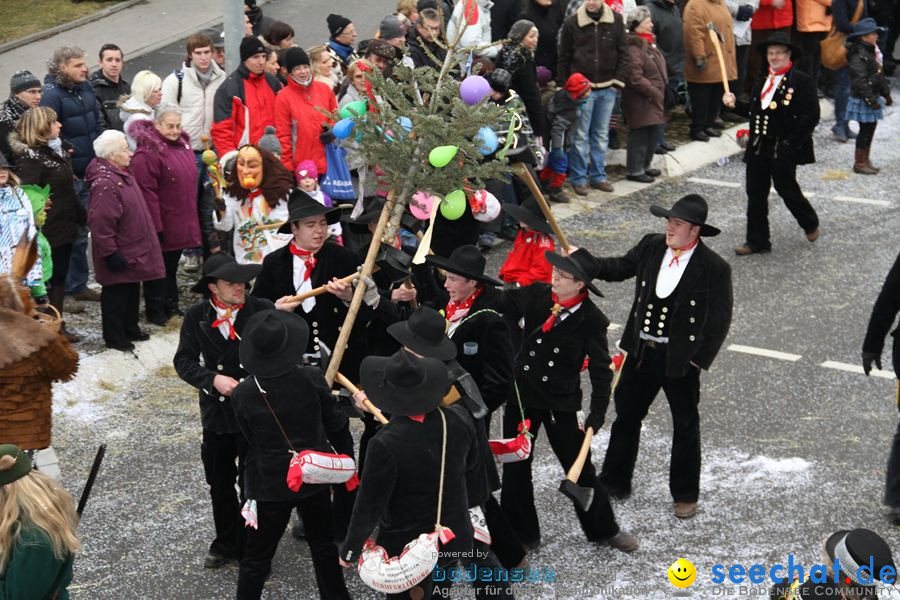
x=372, y=297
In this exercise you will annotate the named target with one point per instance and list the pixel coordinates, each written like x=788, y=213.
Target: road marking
x=764, y=352
x=831, y=364
x=728, y=184
x=885, y=203
x=614, y=327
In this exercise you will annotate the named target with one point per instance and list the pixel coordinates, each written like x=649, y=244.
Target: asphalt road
x=792, y=449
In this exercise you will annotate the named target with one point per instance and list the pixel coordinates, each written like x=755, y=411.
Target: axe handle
x=525, y=175
x=319, y=290
x=92, y=476
x=408, y=285
x=718, y=47
x=339, y=377
x=575, y=470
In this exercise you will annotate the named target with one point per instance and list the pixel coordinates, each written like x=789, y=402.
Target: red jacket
x=526, y=263
x=244, y=106
x=769, y=17
x=298, y=120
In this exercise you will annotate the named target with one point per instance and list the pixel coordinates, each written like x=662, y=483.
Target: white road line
x=831, y=364
x=728, y=184
x=614, y=327
x=885, y=203
x=764, y=352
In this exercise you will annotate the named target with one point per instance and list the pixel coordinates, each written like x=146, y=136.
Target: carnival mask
x=249, y=168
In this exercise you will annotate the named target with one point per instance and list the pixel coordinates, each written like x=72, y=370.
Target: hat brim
x=531, y=220
x=445, y=264
x=705, y=229
x=763, y=47
x=564, y=263
x=862, y=33
x=833, y=540
x=231, y=272
x=443, y=350
x=332, y=215
x=404, y=402
x=288, y=358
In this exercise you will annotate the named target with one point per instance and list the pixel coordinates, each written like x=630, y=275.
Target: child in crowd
x=307, y=176
x=562, y=114
x=16, y=219
x=869, y=90
x=526, y=262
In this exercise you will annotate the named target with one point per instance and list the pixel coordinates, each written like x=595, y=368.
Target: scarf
x=677, y=252
x=558, y=306
x=204, y=78
x=770, y=80
x=226, y=316
x=651, y=39
x=307, y=257
x=342, y=50
x=456, y=311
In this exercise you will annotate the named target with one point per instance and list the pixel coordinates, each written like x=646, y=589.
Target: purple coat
x=120, y=222
x=166, y=172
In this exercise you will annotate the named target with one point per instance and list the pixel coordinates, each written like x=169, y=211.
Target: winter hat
x=519, y=30
x=14, y=464
x=390, y=28
x=636, y=16
x=381, y=48
x=250, y=2
x=23, y=80
x=306, y=168
x=251, y=46
x=500, y=80
x=269, y=141
x=295, y=57
x=423, y=4
x=576, y=84
x=544, y=76
x=337, y=24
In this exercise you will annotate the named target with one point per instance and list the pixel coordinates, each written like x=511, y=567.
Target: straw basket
x=53, y=321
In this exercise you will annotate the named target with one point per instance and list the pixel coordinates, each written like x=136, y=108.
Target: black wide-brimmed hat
x=301, y=206
x=402, y=384
x=529, y=213
x=857, y=548
x=779, y=38
x=691, y=208
x=4, y=164
x=467, y=261
x=580, y=263
x=425, y=333
x=372, y=207
x=223, y=266
x=273, y=343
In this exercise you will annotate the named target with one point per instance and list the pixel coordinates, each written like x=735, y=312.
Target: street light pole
x=233, y=11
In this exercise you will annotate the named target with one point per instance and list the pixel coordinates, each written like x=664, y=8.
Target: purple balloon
x=473, y=89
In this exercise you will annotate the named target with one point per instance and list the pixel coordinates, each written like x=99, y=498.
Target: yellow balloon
x=682, y=573
x=441, y=156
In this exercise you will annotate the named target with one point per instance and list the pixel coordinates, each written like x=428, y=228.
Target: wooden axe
x=367, y=403
x=714, y=34
x=525, y=175
x=581, y=496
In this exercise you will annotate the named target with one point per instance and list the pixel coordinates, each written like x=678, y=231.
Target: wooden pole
x=339, y=377
x=525, y=175
x=577, y=466
x=319, y=290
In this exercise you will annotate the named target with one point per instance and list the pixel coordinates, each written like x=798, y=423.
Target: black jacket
x=308, y=413
x=562, y=114
x=503, y=14
x=520, y=63
x=548, y=20
x=416, y=50
x=548, y=367
x=701, y=314
x=199, y=340
x=669, y=31
x=788, y=127
x=867, y=79
x=399, y=488
x=884, y=313
x=108, y=94
x=10, y=113
x=277, y=279
x=842, y=11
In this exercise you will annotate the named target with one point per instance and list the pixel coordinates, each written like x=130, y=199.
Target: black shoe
x=174, y=311
x=642, y=178
x=653, y=172
x=124, y=346
x=214, y=561
x=140, y=336
x=746, y=249
x=667, y=146
x=617, y=493
x=712, y=132
x=700, y=136
x=157, y=318
x=660, y=150
x=719, y=124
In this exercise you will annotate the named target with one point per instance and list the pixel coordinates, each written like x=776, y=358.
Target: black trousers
x=119, y=307
x=161, y=295
x=706, y=99
x=505, y=542
x=810, y=60
x=223, y=464
x=517, y=494
x=273, y=517
x=866, y=135
x=640, y=382
x=60, y=255
x=641, y=145
x=892, y=477
x=763, y=173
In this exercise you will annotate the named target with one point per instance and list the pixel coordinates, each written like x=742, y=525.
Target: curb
x=40, y=35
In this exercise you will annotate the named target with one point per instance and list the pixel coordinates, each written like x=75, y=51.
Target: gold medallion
x=788, y=96
x=773, y=105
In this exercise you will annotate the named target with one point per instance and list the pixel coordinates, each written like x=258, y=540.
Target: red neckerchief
x=307, y=256
x=772, y=76
x=226, y=318
x=398, y=244
x=417, y=418
x=558, y=305
x=676, y=252
x=651, y=39
x=457, y=310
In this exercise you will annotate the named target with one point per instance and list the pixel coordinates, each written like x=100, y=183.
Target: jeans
x=841, y=98
x=79, y=270
x=587, y=157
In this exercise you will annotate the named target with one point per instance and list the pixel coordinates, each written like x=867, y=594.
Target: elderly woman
x=124, y=244
x=322, y=63
x=644, y=96
x=340, y=43
x=517, y=57
x=41, y=161
x=146, y=94
x=165, y=169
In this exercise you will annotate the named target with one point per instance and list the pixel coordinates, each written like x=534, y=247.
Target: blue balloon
x=405, y=123
x=343, y=128
x=486, y=140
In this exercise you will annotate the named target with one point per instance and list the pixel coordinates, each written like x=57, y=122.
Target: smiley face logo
x=682, y=573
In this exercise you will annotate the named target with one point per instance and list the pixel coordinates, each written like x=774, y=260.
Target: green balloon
x=453, y=205
x=441, y=155
x=354, y=109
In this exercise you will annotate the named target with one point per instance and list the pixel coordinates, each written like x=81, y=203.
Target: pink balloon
x=421, y=205
x=473, y=89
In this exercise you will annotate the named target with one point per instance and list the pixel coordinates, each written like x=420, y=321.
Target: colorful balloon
x=421, y=204
x=441, y=156
x=406, y=123
x=474, y=89
x=343, y=128
x=354, y=109
x=453, y=205
x=487, y=141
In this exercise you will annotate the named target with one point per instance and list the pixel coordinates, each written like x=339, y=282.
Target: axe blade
x=581, y=496
x=712, y=27
x=325, y=354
